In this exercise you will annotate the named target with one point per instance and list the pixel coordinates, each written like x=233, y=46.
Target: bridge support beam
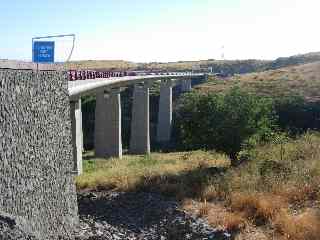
x=108, y=142
x=140, y=125
x=186, y=85
x=77, y=141
x=165, y=112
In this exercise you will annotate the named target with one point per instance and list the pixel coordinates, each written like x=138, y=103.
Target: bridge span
x=107, y=133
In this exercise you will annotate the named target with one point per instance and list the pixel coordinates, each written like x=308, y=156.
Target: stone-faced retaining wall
x=36, y=163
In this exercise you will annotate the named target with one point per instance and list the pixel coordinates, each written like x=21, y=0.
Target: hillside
x=294, y=60
x=219, y=66
x=225, y=66
x=228, y=67
x=302, y=80
x=101, y=64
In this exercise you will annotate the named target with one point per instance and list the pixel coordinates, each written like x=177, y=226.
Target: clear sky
x=162, y=30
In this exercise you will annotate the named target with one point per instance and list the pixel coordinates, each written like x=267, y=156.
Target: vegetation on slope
x=224, y=122
x=294, y=60
x=101, y=64
x=276, y=192
x=302, y=80
x=134, y=172
x=274, y=195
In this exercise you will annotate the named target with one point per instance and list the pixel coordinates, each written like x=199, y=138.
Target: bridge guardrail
x=74, y=75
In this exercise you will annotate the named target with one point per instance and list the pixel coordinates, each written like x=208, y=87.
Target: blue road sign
x=43, y=52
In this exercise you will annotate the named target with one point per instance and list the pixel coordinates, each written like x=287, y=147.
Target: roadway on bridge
x=85, y=87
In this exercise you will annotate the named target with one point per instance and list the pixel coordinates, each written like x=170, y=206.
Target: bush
x=297, y=115
x=223, y=122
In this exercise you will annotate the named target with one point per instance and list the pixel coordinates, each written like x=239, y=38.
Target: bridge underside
x=107, y=133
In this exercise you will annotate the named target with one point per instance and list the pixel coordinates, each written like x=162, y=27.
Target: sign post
x=43, y=52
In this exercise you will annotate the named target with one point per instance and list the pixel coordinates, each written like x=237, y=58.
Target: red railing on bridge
x=88, y=74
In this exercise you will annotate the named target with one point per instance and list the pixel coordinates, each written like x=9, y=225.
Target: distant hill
x=225, y=66
x=101, y=64
x=219, y=66
x=300, y=80
x=228, y=67
x=294, y=60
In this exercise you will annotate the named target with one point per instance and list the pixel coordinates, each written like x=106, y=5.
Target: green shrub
x=296, y=115
x=223, y=122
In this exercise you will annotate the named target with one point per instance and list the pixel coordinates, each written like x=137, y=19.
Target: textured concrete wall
x=36, y=162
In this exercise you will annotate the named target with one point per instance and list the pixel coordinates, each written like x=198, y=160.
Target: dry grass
x=204, y=209
x=304, y=226
x=100, y=64
x=234, y=222
x=301, y=80
x=282, y=206
x=260, y=208
x=217, y=215
x=274, y=168
x=211, y=193
x=162, y=171
x=300, y=193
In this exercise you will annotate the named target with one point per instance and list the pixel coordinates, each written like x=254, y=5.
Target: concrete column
x=140, y=125
x=81, y=127
x=108, y=142
x=76, y=126
x=186, y=85
x=165, y=112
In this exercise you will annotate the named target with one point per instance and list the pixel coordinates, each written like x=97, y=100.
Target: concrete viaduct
x=108, y=112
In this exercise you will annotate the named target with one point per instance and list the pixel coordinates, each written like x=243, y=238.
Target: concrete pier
x=186, y=85
x=81, y=127
x=165, y=112
x=77, y=141
x=108, y=142
x=140, y=125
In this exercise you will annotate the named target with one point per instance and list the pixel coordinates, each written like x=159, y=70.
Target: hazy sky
x=162, y=30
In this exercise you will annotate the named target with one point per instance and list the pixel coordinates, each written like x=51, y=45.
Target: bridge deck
x=84, y=87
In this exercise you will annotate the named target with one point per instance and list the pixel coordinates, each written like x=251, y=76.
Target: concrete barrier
x=36, y=160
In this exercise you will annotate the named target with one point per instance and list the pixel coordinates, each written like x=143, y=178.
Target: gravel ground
x=12, y=228
x=147, y=216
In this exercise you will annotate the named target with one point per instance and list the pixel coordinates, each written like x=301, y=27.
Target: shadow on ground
x=153, y=206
